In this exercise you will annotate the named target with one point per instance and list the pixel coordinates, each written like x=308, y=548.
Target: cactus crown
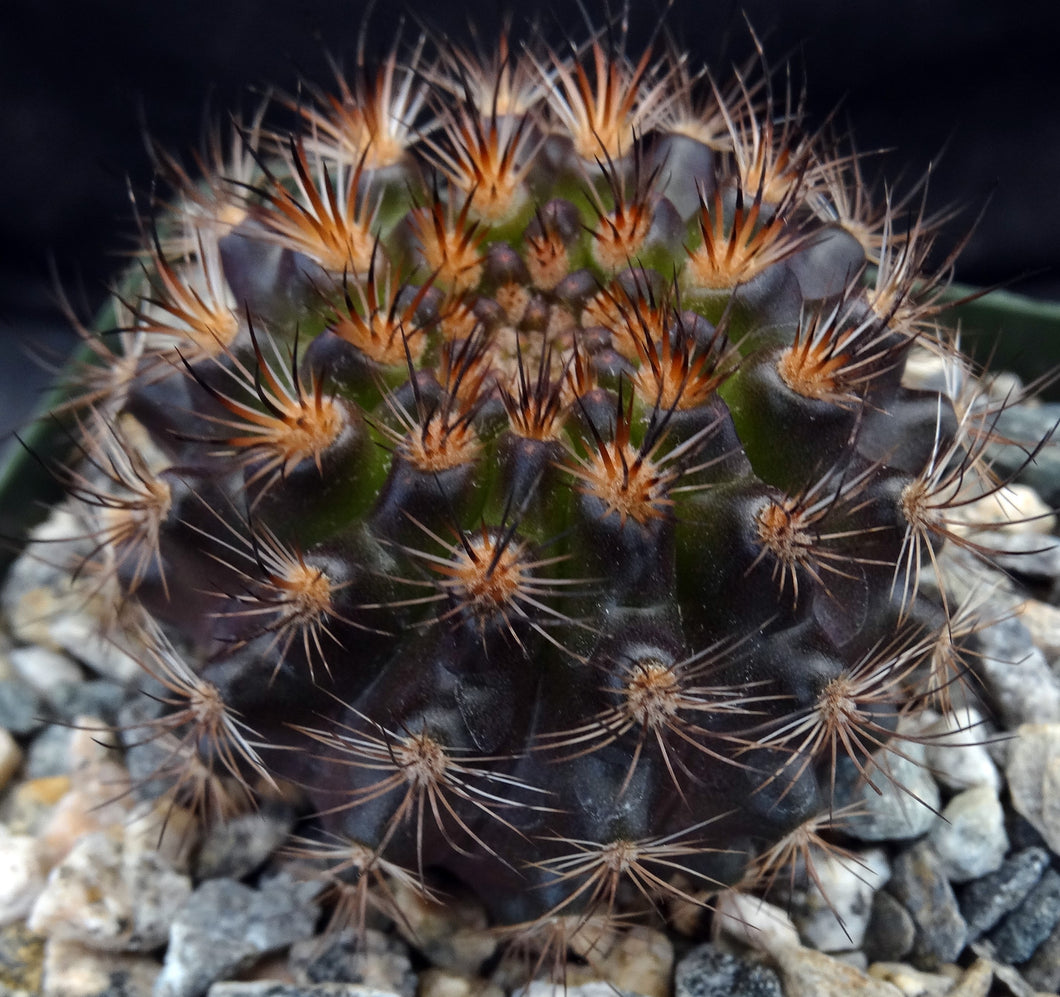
x=516, y=457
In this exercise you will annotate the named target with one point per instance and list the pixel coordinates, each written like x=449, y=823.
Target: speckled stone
x=1016, y=674
x=71, y=970
x=1012, y=509
x=28, y=805
x=1030, y=557
x=370, y=958
x=973, y=982
x=45, y=608
x=225, y=927
x=640, y=961
x=98, y=799
x=1042, y=970
x=967, y=579
x=21, y=961
x=708, y=972
x=162, y=827
x=104, y=898
x=635, y=961
x=833, y=914
x=985, y=901
x=1017, y=937
x=919, y=882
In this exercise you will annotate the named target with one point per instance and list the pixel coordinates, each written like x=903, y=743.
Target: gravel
x=958, y=845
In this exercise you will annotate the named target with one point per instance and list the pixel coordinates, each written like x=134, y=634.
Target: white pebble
x=755, y=923
x=1017, y=675
x=21, y=875
x=1033, y=774
x=80, y=634
x=839, y=901
x=956, y=751
x=44, y=669
x=546, y=988
x=970, y=839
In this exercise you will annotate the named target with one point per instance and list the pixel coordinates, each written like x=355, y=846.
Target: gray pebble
x=225, y=927
x=919, y=882
x=708, y=972
x=147, y=758
x=48, y=753
x=987, y=900
x=905, y=805
x=1028, y=424
x=1017, y=937
x=1032, y=557
x=1016, y=674
x=891, y=932
x=99, y=698
x=21, y=708
x=235, y=848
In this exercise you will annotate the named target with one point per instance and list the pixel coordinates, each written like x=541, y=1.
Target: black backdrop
x=79, y=83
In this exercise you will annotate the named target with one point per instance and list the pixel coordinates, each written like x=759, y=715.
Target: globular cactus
x=518, y=457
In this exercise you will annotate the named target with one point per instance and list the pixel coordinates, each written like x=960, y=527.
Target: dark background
x=81, y=82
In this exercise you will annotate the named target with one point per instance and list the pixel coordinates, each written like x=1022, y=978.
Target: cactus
x=517, y=457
